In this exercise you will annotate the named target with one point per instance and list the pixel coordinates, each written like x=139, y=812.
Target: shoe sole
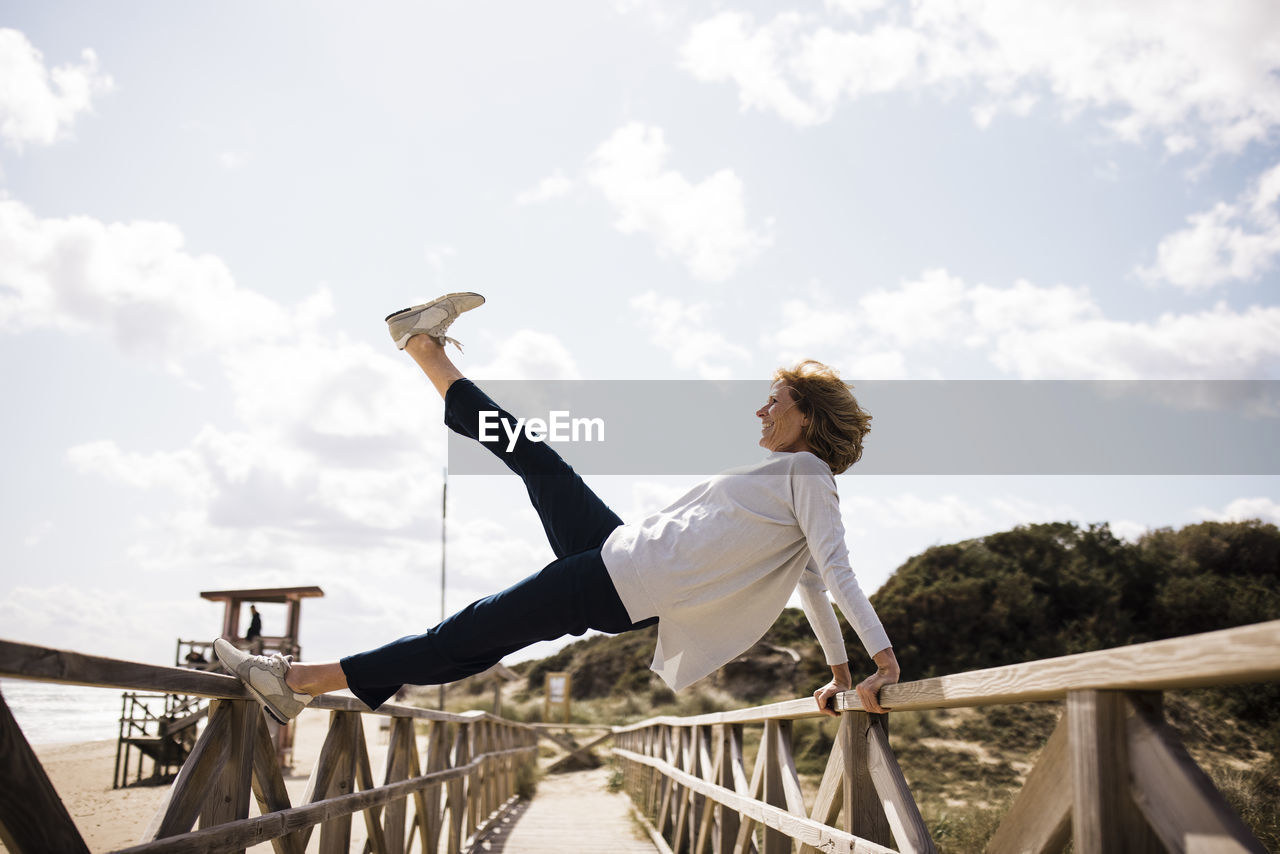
x=393, y=315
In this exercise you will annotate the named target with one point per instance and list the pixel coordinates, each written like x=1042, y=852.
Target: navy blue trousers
x=570, y=595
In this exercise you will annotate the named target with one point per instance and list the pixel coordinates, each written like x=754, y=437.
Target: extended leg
x=433, y=360
x=573, y=517
x=567, y=597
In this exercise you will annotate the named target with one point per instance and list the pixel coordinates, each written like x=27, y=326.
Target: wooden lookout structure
x=285, y=644
x=163, y=727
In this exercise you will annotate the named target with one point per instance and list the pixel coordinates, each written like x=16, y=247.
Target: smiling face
x=781, y=421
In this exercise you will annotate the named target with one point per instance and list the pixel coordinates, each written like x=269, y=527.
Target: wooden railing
x=459, y=785
x=1113, y=777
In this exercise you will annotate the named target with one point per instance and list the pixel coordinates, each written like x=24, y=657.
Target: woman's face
x=781, y=421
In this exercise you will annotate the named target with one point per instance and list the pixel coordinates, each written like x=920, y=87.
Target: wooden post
x=555, y=699
x=457, y=791
x=1104, y=816
x=669, y=754
x=437, y=796
x=863, y=814
x=228, y=797
x=713, y=758
x=268, y=785
x=364, y=776
x=400, y=744
x=334, y=774
x=32, y=816
x=735, y=778
x=689, y=765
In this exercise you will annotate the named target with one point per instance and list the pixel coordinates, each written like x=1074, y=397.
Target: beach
x=110, y=819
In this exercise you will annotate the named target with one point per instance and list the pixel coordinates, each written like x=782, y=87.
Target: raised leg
x=433, y=360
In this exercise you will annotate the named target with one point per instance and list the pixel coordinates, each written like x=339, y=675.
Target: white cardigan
x=718, y=565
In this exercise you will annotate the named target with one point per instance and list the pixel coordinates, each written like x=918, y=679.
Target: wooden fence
x=1113, y=777
x=459, y=785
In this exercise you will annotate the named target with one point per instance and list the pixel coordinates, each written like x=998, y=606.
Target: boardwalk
x=571, y=812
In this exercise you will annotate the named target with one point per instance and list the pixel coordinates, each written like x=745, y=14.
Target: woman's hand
x=886, y=674
x=824, y=694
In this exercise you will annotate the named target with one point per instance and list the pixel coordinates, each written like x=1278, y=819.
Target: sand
x=109, y=819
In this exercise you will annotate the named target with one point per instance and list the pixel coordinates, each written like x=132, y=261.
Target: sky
x=206, y=211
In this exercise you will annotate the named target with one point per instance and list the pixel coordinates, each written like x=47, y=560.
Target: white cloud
x=326, y=449
x=136, y=281
x=855, y=8
x=930, y=309
x=1242, y=509
x=1236, y=241
x=918, y=329
x=528, y=355
x=324, y=467
x=232, y=160
x=703, y=224
x=38, y=534
x=1183, y=69
x=729, y=47
x=333, y=441
x=38, y=105
x=1128, y=530
x=1218, y=343
x=182, y=472
x=89, y=619
x=649, y=496
x=553, y=186
x=438, y=255
x=680, y=328
x=907, y=510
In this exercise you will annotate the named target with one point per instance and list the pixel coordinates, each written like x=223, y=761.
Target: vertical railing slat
x=204, y=764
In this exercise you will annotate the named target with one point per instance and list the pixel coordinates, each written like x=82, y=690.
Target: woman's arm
x=817, y=507
x=821, y=616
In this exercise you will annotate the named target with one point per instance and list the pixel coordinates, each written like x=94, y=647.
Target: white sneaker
x=432, y=318
x=264, y=676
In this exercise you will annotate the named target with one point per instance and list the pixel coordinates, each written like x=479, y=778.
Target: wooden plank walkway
x=571, y=812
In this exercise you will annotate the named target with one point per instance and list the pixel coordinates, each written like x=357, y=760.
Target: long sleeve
x=719, y=564
x=818, y=514
x=822, y=617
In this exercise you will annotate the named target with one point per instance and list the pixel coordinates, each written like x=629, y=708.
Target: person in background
x=254, y=634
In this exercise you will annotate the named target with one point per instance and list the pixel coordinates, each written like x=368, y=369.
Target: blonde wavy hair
x=837, y=423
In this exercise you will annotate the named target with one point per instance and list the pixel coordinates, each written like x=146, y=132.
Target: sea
x=49, y=713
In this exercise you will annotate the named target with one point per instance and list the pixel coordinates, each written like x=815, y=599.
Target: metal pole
x=444, y=514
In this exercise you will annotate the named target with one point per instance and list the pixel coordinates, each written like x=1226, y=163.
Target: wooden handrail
x=462, y=783
x=1213, y=659
x=37, y=663
x=1114, y=776
x=1131, y=782
x=1227, y=657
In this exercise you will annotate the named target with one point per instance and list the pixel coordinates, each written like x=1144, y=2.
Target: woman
x=713, y=570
